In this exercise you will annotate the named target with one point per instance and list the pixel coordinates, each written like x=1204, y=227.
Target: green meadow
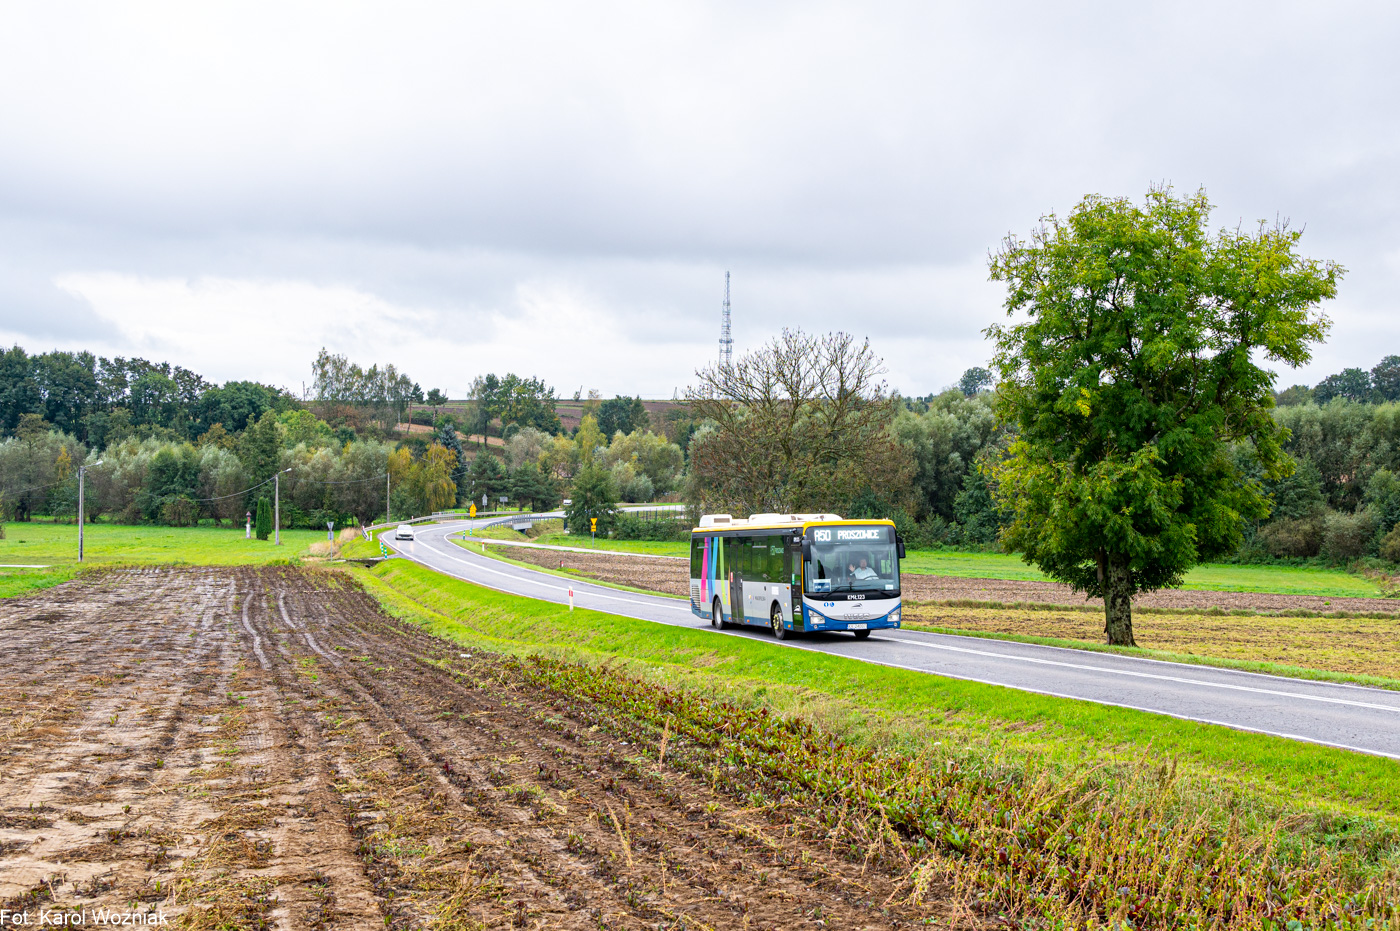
x=54, y=547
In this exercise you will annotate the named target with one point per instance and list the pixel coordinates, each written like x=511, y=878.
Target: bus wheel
x=717, y=616
x=861, y=634
x=779, y=630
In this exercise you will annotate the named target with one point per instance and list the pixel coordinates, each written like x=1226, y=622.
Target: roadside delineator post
x=571, y=597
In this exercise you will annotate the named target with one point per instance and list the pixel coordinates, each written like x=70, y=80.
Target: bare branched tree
x=800, y=424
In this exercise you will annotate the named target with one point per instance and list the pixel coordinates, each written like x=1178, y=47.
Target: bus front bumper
x=815, y=620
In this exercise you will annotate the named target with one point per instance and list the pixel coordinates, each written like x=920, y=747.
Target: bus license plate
x=855, y=627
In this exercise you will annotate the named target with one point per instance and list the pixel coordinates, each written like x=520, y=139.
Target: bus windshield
x=852, y=559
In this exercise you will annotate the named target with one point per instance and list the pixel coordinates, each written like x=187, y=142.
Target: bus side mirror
x=899, y=547
x=806, y=551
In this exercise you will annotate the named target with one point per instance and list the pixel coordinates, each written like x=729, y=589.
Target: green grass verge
x=875, y=702
x=23, y=581
x=114, y=544
x=360, y=548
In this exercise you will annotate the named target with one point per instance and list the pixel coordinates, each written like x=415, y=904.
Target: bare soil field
x=665, y=574
x=264, y=748
x=671, y=575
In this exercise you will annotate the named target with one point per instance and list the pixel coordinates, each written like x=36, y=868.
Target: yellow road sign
x=473, y=510
x=594, y=522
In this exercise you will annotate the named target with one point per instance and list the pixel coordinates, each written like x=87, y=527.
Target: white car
x=405, y=532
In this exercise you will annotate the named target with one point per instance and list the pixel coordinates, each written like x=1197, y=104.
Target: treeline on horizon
x=178, y=449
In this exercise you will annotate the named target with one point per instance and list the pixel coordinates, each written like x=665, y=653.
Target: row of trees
x=180, y=483
x=1379, y=385
x=237, y=436
x=101, y=401
x=511, y=401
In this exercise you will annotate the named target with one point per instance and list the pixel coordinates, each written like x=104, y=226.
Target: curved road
x=1346, y=716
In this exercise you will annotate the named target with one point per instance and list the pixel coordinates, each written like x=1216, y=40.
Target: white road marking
x=1143, y=675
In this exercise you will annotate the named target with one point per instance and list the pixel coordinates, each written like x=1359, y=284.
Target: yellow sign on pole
x=594, y=522
x=473, y=511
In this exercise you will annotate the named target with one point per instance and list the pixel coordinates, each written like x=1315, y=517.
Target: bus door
x=792, y=571
x=735, y=562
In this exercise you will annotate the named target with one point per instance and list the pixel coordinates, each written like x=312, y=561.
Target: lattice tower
x=726, y=341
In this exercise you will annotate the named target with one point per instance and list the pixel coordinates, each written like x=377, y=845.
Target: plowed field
x=264, y=748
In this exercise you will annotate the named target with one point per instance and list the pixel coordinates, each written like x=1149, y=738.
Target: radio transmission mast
x=726, y=341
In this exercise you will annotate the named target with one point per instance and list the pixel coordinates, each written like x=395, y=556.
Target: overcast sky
x=558, y=189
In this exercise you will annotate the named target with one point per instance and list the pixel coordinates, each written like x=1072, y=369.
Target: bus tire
x=776, y=619
x=717, y=615
x=861, y=634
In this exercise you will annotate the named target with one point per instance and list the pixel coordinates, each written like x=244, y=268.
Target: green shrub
x=1390, y=545
x=1292, y=537
x=262, y=523
x=179, y=511
x=1347, y=536
x=632, y=527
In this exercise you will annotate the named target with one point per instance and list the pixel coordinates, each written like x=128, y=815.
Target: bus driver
x=863, y=572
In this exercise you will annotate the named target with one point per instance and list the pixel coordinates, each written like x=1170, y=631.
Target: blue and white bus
x=796, y=573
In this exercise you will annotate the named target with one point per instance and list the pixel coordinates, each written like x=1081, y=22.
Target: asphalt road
x=1347, y=716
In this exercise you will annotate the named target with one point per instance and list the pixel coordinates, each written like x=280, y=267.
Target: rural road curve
x=1346, y=716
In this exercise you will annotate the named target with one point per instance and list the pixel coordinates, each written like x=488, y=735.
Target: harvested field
x=949, y=588
x=1351, y=645
x=670, y=575
x=258, y=748
x=664, y=574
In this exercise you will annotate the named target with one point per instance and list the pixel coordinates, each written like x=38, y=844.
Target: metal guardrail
x=647, y=511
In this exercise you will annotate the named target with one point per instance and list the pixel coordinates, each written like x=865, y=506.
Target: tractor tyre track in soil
x=265, y=748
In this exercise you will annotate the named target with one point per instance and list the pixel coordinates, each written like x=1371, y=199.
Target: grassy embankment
x=1167, y=795
x=55, y=546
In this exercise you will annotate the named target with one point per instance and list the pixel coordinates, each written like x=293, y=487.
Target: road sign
x=473, y=511
x=593, y=521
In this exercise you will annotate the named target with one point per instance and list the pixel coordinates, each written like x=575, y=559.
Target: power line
x=348, y=481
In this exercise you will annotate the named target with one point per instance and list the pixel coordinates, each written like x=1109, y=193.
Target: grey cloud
x=847, y=162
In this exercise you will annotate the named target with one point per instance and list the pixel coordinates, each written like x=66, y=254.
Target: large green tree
x=1128, y=372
